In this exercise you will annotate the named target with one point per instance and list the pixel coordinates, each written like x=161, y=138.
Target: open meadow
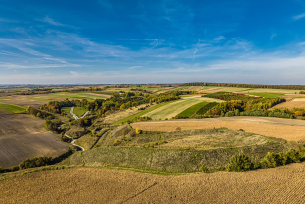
x=23, y=136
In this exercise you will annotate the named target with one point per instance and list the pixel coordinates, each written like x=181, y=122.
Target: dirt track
x=289, y=129
x=279, y=185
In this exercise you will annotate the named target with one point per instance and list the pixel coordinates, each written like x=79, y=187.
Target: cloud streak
x=298, y=17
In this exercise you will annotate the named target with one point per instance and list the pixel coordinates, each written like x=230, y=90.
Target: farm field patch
x=142, y=113
x=89, y=185
x=119, y=115
x=173, y=109
x=294, y=103
x=12, y=108
x=23, y=101
x=288, y=129
x=266, y=95
x=23, y=136
x=282, y=91
x=192, y=110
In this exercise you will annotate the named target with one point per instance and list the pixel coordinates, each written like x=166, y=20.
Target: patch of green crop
x=192, y=110
x=12, y=108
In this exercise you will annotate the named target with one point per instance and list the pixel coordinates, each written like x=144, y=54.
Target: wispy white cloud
x=135, y=67
x=297, y=17
x=52, y=21
x=33, y=66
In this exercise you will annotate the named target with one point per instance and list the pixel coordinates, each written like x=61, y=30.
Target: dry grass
x=22, y=101
x=118, y=115
x=279, y=185
x=288, y=129
x=216, y=140
x=23, y=136
x=290, y=104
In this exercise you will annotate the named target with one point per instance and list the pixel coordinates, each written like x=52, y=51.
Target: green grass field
x=78, y=111
x=124, y=120
x=64, y=95
x=171, y=110
x=192, y=110
x=38, y=99
x=12, y=108
x=267, y=95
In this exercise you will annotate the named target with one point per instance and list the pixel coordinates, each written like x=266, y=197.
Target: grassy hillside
x=124, y=120
x=180, y=151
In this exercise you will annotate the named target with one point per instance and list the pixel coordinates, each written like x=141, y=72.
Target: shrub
x=240, y=162
x=138, y=131
x=293, y=156
x=178, y=128
x=35, y=162
x=273, y=160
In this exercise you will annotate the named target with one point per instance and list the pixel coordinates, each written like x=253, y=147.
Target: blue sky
x=160, y=41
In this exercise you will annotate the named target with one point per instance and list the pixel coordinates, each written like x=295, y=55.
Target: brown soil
x=288, y=129
x=84, y=185
x=96, y=94
x=23, y=136
x=23, y=101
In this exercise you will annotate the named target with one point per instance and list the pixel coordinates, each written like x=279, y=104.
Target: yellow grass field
x=294, y=103
x=87, y=185
x=288, y=129
x=173, y=109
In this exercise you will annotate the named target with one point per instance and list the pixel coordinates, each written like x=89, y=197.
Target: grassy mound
x=179, y=151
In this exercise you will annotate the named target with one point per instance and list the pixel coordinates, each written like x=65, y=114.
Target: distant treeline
x=294, y=87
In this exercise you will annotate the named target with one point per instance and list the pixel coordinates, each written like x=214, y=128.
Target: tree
x=240, y=162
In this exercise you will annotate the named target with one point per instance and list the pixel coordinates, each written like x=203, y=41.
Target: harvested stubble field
x=173, y=109
x=294, y=103
x=288, y=129
x=88, y=185
x=111, y=118
x=23, y=136
x=23, y=101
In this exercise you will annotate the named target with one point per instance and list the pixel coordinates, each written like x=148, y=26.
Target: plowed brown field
x=23, y=136
x=278, y=185
x=288, y=129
